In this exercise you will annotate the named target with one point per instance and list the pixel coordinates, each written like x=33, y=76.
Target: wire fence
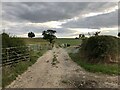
x=14, y=55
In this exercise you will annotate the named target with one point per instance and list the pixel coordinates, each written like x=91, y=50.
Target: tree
x=11, y=41
x=119, y=34
x=89, y=33
x=76, y=38
x=49, y=35
x=81, y=35
x=96, y=33
x=31, y=34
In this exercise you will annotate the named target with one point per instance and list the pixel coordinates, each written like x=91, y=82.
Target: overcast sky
x=67, y=18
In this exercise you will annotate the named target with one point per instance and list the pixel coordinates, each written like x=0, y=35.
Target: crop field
x=34, y=41
x=70, y=41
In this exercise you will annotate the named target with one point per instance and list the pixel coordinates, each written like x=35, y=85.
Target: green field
x=70, y=41
x=34, y=41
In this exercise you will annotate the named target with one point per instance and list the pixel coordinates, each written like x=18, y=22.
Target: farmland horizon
x=40, y=35
x=59, y=44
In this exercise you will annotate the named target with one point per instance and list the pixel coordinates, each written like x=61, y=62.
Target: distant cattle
x=65, y=45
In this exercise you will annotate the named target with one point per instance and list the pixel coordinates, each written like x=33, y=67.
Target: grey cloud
x=43, y=12
x=18, y=29
x=63, y=30
x=95, y=22
x=22, y=28
x=110, y=32
x=97, y=6
x=40, y=12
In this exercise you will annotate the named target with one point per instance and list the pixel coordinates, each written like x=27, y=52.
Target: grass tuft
x=54, y=61
x=64, y=81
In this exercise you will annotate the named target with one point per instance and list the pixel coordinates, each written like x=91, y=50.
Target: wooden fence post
x=29, y=52
x=7, y=54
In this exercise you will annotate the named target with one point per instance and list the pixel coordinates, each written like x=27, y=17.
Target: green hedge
x=8, y=41
x=100, y=49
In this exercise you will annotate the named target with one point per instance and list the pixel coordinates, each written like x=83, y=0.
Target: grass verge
x=10, y=73
x=111, y=69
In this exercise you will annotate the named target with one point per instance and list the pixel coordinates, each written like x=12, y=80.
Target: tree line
x=48, y=35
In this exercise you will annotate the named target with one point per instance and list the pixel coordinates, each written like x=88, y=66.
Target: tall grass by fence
x=20, y=65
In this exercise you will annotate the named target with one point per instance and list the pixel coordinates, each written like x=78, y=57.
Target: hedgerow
x=100, y=49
